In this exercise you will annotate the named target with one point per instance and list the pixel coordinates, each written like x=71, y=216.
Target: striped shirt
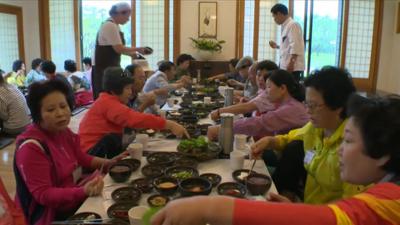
x=14, y=111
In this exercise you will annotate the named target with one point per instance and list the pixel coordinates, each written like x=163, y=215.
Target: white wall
x=389, y=66
x=31, y=27
x=226, y=23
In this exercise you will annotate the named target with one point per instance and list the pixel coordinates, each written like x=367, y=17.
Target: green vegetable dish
x=199, y=148
x=197, y=144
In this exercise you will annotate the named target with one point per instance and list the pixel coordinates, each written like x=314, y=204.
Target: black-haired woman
x=369, y=155
x=17, y=77
x=327, y=92
x=287, y=95
x=48, y=159
x=102, y=127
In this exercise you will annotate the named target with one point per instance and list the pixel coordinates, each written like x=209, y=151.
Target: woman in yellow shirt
x=17, y=77
x=327, y=92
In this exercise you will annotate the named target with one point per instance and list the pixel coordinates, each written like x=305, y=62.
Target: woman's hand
x=176, y=129
x=180, y=212
x=212, y=132
x=272, y=197
x=214, y=115
x=258, y=147
x=94, y=187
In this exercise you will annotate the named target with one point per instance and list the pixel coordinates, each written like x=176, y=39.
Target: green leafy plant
x=212, y=45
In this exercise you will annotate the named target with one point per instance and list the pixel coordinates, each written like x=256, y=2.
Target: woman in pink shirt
x=48, y=160
x=287, y=95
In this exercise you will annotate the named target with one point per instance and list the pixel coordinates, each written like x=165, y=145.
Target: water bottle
x=228, y=97
x=225, y=136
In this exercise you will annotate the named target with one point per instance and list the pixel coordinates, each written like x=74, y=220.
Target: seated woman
x=48, y=159
x=140, y=100
x=369, y=155
x=35, y=75
x=260, y=103
x=160, y=80
x=101, y=128
x=14, y=112
x=314, y=159
x=17, y=77
x=79, y=83
x=287, y=95
x=231, y=76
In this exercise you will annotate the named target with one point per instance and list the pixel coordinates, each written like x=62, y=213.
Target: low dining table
x=158, y=143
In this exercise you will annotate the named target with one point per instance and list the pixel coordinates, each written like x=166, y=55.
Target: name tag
x=77, y=174
x=2, y=211
x=309, y=156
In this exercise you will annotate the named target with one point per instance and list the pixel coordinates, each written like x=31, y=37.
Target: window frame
x=45, y=38
x=364, y=84
x=17, y=11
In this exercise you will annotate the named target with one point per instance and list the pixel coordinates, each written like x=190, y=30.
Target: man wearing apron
x=110, y=44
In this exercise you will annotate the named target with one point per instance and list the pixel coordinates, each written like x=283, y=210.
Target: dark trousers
x=298, y=75
x=290, y=174
x=109, y=146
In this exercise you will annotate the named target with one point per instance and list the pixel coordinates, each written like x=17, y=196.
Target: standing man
x=110, y=44
x=292, y=42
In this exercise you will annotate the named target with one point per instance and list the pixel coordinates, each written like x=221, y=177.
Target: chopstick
x=251, y=169
x=92, y=221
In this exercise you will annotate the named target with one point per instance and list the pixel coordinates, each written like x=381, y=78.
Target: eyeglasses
x=313, y=105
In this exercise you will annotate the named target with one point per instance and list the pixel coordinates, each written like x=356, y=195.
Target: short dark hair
x=233, y=62
x=182, y=58
x=379, y=123
x=335, y=86
x=17, y=65
x=48, y=67
x=36, y=62
x=165, y=65
x=87, y=61
x=282, y=77
x=70, y=65
x=39, y=90
x=1, y=76
x=281, y=8
x=115, y=80
x=267, y=65
x=131, y=68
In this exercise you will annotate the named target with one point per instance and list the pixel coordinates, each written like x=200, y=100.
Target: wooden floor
x=7, y=157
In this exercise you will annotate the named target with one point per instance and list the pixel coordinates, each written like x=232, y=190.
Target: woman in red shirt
x=369, y=155
x=101, y=128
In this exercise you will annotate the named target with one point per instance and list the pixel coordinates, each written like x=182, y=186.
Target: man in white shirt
x=292, y=42
x=110, y=44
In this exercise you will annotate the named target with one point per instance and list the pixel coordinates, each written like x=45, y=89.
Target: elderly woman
x=102, y=127
x=287, y=95
x=110, y=44
x=48, y=159
x=14, y=113
x=369, y=155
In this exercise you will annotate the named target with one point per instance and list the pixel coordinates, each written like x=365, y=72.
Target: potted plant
x=207, y=47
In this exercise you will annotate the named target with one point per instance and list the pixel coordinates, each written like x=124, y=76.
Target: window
x=359, y=37
x=12, y=36
x=321, y=23
x=61, y=18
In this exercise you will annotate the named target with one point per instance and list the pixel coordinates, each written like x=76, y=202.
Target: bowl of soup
x=258, y=184
x=120, y=172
